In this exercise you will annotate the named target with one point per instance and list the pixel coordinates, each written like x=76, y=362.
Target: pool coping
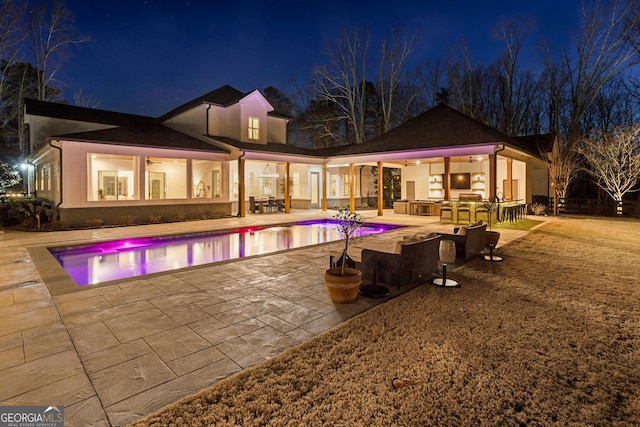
x=59, y=282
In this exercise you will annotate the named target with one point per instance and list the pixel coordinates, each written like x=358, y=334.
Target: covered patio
x=440, y=155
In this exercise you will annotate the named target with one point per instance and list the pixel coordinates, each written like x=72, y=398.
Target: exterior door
x=411, y=190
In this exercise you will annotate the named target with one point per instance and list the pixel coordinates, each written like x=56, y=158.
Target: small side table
x=373, y=290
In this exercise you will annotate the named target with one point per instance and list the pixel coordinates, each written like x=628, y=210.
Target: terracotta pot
x=491, y=238
x=343, y=289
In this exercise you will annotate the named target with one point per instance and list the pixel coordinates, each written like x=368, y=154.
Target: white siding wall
x=233, y=125
x=419, y=174
x=303, y=191
x=250, y=109
x=277, y=130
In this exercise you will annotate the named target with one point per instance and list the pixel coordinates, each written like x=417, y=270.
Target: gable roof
x=224, y=96
x=439, y=127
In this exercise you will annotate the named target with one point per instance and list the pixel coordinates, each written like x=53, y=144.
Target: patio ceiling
x=425, y=155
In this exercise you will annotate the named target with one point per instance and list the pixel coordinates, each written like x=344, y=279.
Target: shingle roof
x=223, y=96
x=441, y=126
x=145, y=135
x=533, y=144
x=266, y=148
x=82, y=114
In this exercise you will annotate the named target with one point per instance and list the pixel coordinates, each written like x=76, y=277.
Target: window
x=45, y=178
x=345, y=185
x=254, y=128
x=112, y=177
x=333, y=182
x=165, y=178
x=207, y=175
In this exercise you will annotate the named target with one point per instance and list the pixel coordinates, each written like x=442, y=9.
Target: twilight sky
x=148, y=56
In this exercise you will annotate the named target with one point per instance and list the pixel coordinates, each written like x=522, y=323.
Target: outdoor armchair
x=411, y=261
x=469, y=240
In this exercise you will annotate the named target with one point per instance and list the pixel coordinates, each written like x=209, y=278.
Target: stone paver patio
x=113, y=353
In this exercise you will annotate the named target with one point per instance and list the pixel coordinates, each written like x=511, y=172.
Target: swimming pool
x=120, y=259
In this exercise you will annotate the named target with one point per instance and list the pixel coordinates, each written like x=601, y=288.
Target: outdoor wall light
x=447, y=254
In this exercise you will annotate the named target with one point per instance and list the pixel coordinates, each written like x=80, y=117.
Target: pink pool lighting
x=113, y=260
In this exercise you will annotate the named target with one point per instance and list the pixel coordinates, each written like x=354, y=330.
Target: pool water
x=113, y=260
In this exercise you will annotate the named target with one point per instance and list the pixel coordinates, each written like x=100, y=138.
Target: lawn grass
x=525, y=224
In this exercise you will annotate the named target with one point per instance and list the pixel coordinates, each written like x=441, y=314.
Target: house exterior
x=207, y=157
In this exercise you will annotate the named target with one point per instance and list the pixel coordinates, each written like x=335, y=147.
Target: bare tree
x=343, y=82
x=562, y=164
x=517, y=90
x=51, y=32
x=391, y=74
x=613, y=106
x=465, y=83
x=432, y=80
x=573, y=85
x=614, y=161
x=82, y=100
x=11, y=34
x=364, y=110
x=601, y=54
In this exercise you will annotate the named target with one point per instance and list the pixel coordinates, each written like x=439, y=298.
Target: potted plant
x=343, y=282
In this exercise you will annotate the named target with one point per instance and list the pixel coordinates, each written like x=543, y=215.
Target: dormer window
x=254, y=128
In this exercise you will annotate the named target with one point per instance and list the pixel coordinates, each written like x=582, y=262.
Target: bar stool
x=446, y=211
x=481, y=210
x=464, y=208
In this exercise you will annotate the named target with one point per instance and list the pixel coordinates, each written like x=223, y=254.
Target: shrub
x=155, y=219
x=95, y=223
x=29, y=212
x=538, y=208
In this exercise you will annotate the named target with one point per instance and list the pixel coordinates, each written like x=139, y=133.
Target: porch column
x=446, y=185
x=352, y=187
x=509, y=190
x=380, y=190
x=190, y=183
x=493, y=167
x=324, y=188
x=241, y=208
x=287, y=198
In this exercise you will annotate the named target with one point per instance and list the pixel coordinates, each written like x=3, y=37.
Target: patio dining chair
x=271, y=205
x=253, y=206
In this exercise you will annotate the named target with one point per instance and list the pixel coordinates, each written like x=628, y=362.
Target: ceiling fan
x=151, y=162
